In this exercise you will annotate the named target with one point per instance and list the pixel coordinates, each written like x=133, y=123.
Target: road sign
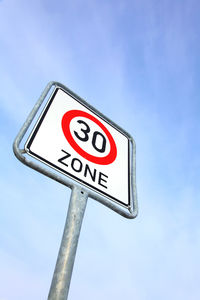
x=79, y=142
x=75, y=139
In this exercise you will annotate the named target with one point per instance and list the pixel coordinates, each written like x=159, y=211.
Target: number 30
x=85, y=137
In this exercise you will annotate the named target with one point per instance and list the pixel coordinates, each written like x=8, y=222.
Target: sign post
x=85, y=151
x=65, y=261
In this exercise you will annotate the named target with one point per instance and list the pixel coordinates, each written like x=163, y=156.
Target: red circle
x=66, y=119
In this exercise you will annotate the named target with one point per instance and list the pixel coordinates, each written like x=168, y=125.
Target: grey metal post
x=63, y=271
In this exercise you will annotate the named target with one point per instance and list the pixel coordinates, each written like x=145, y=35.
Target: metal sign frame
x=132, y=210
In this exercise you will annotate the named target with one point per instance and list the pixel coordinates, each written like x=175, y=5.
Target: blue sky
x=138, y=63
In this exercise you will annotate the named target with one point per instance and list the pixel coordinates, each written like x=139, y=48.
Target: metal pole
x=63, y=271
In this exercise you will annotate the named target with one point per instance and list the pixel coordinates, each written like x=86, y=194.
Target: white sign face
x=79, y=143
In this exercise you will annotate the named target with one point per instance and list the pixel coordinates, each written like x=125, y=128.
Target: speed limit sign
x=95, y=156
x=74, y=139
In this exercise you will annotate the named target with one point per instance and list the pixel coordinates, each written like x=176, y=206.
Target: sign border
x=42, y=159
x=20, y=153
